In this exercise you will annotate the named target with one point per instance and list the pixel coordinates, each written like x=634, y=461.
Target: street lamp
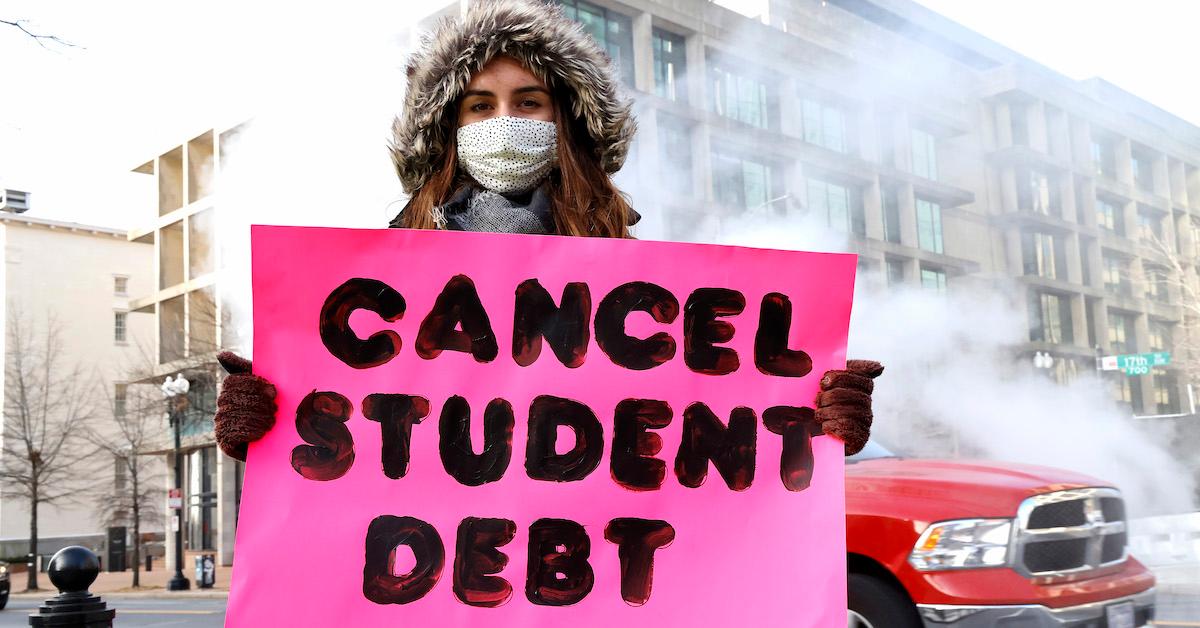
x=1043, y=360
x=175, y=392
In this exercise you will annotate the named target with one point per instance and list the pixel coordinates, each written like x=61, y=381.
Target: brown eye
x=477, y=107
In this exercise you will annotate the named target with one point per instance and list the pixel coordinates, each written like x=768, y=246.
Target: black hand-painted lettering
x=623, y=349
x=321, y=421
x=797, y=426
x=566, y=328
x=771, y=353
x=636, y=540
x=396, y=415
x=458, y=304
x=476, y=560
x=555, y=578
x=384, y=535
x=731, y=449
x=633, y=463
x=546, y=413
x=701, y=330
x=454, y=444
x=340, y=340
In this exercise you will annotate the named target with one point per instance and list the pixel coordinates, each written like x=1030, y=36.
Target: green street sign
x=1136, y=363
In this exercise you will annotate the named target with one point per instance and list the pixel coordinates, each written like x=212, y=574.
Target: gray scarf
x=479, y=209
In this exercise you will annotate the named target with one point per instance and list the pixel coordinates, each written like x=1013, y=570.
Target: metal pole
x=178, y=582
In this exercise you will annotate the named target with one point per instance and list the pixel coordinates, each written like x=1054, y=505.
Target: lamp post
x=1043, y=360
x=175, y=392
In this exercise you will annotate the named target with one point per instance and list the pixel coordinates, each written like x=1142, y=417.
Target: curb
x=133, y=595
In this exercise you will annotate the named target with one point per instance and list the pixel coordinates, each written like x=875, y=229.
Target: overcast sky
x=145, y=74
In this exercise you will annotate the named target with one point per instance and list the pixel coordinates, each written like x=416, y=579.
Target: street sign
x=1135, y=363
x=174, y=499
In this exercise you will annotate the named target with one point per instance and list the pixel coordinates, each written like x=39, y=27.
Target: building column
x=1008, y=190
x=227, y=498
x=1038, y=135
x=1004, y=138
x=170, y=521
x=907, y=208
x=1015, y=260
x=697, y=71
x=1096, y=264
x=1130, y=215
x=1100, y=321
x=1123, y=150
x=1066, y=190
x=643, y=52
x=872, y=201
x=1141, y=329
x=1079, y=321
x=1074, y=259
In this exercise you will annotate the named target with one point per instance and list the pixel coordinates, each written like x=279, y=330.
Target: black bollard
x=72, y=570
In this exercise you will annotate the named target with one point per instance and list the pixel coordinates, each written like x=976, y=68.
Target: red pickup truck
x=965, y=544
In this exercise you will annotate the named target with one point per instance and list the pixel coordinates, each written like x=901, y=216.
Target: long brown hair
x=583, y=199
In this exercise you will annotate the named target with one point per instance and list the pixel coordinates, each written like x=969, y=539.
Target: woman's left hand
x=844, y=403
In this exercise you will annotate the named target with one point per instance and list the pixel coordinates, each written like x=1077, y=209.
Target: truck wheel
x=878, y=604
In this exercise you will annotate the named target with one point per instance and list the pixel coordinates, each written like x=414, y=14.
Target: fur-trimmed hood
x=552, y=46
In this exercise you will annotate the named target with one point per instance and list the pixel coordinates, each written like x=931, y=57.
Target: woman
x=513, y=123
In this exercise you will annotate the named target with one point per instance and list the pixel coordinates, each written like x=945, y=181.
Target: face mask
x=508, y=155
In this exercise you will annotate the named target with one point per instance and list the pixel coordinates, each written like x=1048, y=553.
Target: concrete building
x=949, y=161
x=189, y=324
x=76, y=279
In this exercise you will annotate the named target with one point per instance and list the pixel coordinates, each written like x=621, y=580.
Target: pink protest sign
x=505, y=430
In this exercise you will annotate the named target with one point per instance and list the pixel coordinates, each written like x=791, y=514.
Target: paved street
x=1175, y=611
x=139, y=612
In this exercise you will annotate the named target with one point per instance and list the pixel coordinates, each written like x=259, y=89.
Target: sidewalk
x=153, y=584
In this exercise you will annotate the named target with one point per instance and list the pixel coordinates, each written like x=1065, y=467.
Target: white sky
x=146, y=74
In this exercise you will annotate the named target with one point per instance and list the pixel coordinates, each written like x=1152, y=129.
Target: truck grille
x=1069, y=533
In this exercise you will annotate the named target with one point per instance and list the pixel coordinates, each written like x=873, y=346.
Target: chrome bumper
x=1032, y=615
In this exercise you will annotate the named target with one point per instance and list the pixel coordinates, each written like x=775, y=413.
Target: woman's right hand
x=245, y=406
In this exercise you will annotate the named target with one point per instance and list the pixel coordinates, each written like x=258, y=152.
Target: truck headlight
x=962, y=544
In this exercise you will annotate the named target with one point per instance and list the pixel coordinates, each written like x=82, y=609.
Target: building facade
x=947, y=161
x=183, y=305
x=67, y=284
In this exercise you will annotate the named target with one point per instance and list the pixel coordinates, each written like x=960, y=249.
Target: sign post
x=503, y=430
x=1136, y=363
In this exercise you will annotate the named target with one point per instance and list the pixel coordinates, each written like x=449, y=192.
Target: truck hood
x=933, y=490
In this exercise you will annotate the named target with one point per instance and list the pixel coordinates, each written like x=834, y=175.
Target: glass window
x=838, y=204
x=737, y=95
x=891, y=214
x=120, y=392
x=824, y=125
x=1049, y=318
x=1143, y=171
x=1108, y=217
x=1036, y=194
x=1104, y=158
x=933, y=279
x=120, y=285
x=1166, y=393
x=1020, y=123
x=201, y=234
x=1150, y=227
x=741, y=182
x=895, y=272
x=170, y=255
x=1156, y=284
x=1160, y=336
x=120, y=328
x=929, y=225
x=1128, y=390
x=674, y=155
x=924, y=154
x=1116, y=275
x=170, y=330
x=1043, y=254
x=669, y=64
x=202, y=498
x=612, y=30
x=1120, y=333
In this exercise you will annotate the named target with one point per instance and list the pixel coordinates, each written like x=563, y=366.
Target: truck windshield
x=872, y=451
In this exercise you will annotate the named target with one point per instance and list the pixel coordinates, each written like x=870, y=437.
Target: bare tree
x=1178, y=275
x=40, y=38
x=47, y=407
x=136, y=428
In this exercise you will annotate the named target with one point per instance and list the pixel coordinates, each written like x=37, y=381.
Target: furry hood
x=552, y=46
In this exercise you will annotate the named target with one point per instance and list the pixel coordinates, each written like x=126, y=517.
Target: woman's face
x=504, y=87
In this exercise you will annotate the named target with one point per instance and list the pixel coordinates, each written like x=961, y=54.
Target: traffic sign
x=1135, y=363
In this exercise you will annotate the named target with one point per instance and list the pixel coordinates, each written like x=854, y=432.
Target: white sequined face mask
x=508, y=155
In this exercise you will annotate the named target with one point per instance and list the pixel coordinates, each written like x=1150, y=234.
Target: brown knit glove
x=245, y=407
x=844, y=403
